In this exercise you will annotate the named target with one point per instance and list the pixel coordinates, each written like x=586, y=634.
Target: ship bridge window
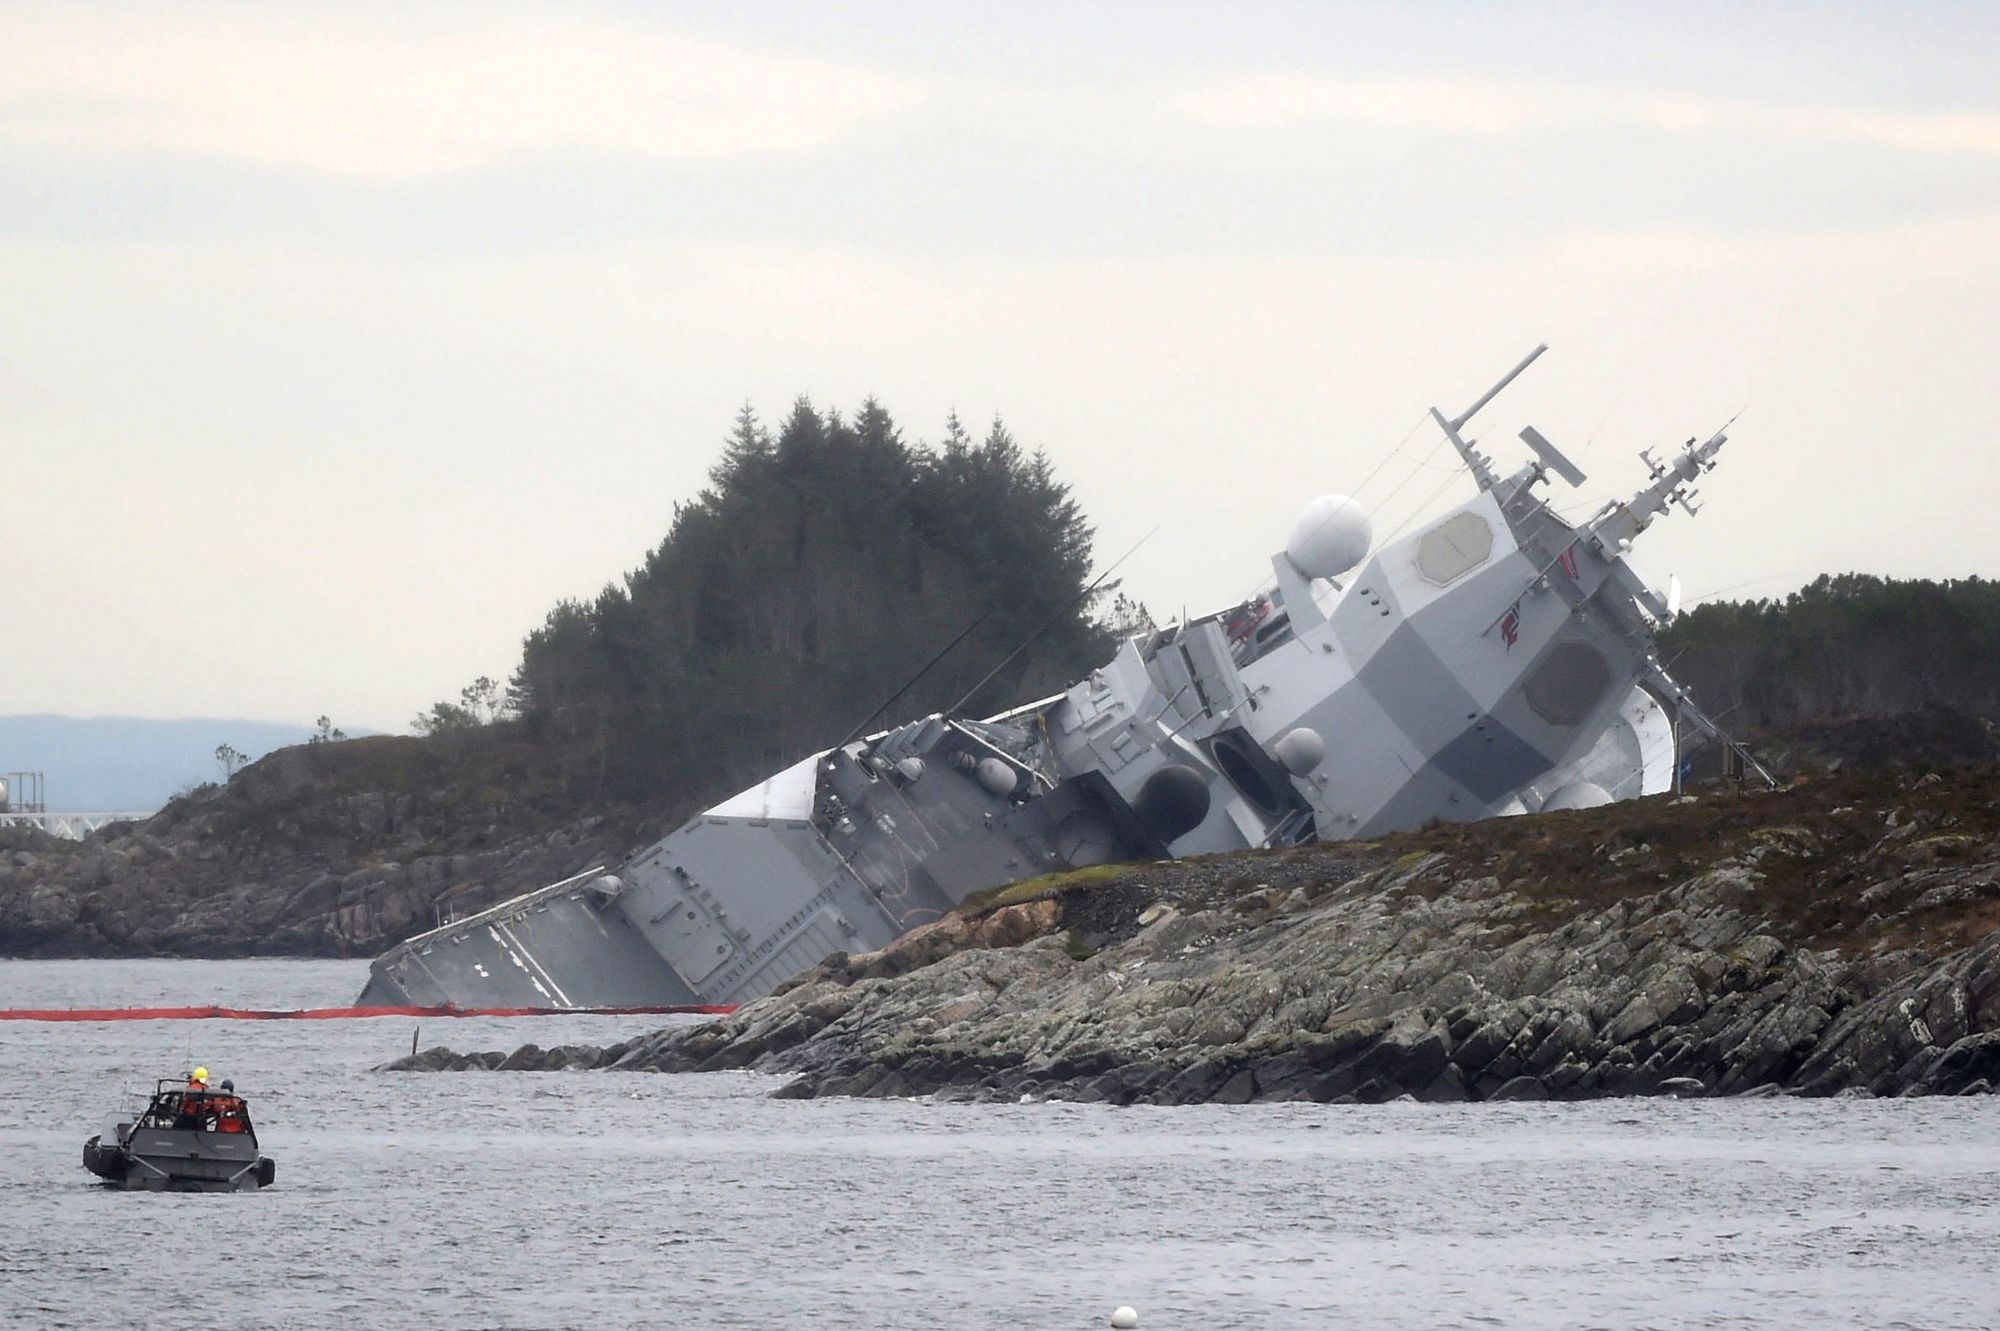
x=1273, y=633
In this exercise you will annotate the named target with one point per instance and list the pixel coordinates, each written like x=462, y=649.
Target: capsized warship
x=1497, y=660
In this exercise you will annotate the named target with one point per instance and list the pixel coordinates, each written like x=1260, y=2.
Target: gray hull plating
x=182, y=1141
x=1496, y=661
x=160, y=1160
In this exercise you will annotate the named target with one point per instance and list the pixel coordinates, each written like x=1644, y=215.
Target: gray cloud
x=293, y=435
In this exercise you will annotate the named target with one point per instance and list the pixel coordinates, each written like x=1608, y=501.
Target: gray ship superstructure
x=1495, y=661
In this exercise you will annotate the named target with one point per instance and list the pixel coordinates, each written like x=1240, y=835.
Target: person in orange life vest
x=229, y=1115
x=192, y=1096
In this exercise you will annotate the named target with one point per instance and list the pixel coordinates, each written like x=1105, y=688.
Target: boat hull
x=180, y=1161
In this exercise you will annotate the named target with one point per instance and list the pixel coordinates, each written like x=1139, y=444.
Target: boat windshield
x=201, y=1111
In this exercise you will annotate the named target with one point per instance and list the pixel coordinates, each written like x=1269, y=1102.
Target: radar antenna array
x=1552, y=457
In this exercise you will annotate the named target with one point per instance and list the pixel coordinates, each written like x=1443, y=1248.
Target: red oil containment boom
x=342, y=1013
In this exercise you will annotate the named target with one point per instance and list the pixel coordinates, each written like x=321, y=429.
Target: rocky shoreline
x=344, y=849
x=1838, y=937
x=329, y=850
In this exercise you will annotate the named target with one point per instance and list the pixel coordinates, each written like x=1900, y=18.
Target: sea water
x=641, y=1200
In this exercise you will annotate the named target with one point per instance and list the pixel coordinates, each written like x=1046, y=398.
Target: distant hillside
x=1844, y=646
x=125, y=762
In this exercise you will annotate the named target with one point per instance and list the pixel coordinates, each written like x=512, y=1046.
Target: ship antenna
x=1051, y=621
x=1477, y=465
x=910, y=683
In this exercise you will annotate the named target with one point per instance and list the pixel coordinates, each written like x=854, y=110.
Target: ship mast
x=1476, y=462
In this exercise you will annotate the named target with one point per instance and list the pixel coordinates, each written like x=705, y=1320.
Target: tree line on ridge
x=824, y=563
x=828, y=560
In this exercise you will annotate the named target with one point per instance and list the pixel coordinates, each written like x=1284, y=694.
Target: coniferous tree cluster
x=1851, y=645
x=819, y=570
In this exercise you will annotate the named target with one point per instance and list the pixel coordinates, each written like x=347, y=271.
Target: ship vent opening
x=1256, y=777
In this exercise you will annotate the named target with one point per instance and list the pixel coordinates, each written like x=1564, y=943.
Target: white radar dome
x=1300, y=750
x=1576, y=795
x=1331, y=536
x=997, y=776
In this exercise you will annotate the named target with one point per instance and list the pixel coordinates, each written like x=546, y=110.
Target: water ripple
x=527, y=1200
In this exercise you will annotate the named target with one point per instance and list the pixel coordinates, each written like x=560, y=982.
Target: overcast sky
x=338, y=343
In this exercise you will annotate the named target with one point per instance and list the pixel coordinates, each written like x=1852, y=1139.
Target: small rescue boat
x=187, y=1139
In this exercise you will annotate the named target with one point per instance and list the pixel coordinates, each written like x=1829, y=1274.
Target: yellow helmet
x=200, y=1074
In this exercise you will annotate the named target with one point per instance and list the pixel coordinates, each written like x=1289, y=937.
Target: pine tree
x=816, y=571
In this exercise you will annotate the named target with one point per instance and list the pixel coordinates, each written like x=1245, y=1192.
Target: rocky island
x=1841, y=936
x=324, y=850
x=822, y=559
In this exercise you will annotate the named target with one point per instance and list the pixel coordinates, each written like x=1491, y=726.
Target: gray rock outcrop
x=1839, y=937
x=321, y=850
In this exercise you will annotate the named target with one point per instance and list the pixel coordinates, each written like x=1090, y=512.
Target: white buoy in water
x=1125, y=1317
